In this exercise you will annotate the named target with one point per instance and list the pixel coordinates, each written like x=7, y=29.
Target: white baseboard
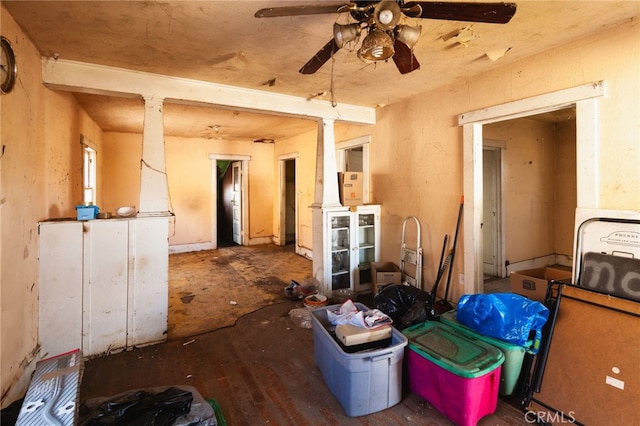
x=184, y=248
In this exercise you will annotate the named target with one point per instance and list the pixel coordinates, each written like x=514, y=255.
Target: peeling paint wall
x=416, y=164
x=416, y=158
x=40, y=176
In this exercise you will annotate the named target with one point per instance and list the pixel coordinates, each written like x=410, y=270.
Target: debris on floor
x=301, y=317
x=175, y=405
x=295, y=290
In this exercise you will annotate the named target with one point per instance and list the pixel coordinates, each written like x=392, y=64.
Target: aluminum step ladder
x=411, y=256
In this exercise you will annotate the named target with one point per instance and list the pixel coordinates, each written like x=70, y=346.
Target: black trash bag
x=400, y=302
x=420, y=311
x=140, y=408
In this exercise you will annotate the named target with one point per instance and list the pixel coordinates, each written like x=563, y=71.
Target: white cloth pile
x=348, y=313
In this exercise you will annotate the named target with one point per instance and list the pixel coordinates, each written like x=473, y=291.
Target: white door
x=490, y=212
x=236, y=201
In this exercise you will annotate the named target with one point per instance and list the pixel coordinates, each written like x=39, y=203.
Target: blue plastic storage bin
x=363, y=382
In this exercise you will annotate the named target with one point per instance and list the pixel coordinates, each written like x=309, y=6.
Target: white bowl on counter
x=126, y=211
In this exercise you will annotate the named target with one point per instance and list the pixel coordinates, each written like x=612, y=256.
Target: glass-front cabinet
x=353, y=243
x=340, y=250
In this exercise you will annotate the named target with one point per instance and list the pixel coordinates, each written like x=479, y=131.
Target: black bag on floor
x=405, y=304
x=140, y=408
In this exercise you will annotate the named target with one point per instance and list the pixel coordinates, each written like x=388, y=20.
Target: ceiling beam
x=83, y=77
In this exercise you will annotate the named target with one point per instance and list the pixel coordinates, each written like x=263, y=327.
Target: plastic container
x=513, y=354
x=315, y=301
x=87, y=212
x=363, y=382
x=457, y=374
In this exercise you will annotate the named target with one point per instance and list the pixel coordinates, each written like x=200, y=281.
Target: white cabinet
x=352, y=239
x=103, y=284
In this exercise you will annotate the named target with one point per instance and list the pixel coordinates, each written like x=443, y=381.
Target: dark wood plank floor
x=260, y=371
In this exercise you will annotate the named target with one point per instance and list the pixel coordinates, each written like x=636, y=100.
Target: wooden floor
x=260, y=371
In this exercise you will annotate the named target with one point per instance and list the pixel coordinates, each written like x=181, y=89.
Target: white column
x=326, y=192
x=154, y=190
x=326, y=195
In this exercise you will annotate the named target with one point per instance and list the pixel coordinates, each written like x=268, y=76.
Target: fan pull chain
x=334, y=103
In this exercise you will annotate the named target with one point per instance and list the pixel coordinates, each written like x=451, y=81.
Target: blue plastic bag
x=505, y=316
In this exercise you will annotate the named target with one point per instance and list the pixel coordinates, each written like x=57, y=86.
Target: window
x=89, y=174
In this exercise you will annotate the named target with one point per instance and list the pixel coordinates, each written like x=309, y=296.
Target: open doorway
x=229, y=195
x=585, y=101
x=224, y=209
x=528, y=192
x=492, y=211
x=288, y=203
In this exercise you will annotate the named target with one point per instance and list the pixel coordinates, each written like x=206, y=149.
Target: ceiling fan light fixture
x=376, y=46
x=387, y=14
x=408, y=35
x=343, y=34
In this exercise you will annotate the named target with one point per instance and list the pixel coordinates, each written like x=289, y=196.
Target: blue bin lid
x=452, y=350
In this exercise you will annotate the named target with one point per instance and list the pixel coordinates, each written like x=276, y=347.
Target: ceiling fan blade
x=272, y=12
x=404, y=58
x=320, y=58
x=493, y=13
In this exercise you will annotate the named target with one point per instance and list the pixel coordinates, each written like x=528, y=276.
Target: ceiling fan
x=386, y=37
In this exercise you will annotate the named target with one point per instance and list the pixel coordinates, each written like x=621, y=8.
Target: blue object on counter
x=87, y=212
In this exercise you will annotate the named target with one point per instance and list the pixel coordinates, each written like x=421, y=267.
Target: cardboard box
x=350, y=187
x=384, y=273
x=533, y=283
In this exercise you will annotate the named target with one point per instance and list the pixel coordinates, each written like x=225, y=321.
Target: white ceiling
x=222, y=42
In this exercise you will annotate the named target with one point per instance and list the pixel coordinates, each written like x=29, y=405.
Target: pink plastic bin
x=464, y=386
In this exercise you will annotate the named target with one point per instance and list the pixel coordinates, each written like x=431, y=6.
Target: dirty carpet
x=211, y=289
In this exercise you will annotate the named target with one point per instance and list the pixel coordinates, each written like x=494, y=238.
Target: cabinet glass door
x=366, y=245
x=340, y=252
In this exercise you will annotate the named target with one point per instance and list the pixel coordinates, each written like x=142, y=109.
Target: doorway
x=492, y=212
x=288, y=234
x=229, y=209
x=585, y=101
x=229, y=200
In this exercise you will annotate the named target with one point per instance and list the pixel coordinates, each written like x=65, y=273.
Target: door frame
x=282, y=237
x=585, y=98
x=244, y=159
x=498, y=231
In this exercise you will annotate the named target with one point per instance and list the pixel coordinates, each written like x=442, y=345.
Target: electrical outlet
x=461, y=279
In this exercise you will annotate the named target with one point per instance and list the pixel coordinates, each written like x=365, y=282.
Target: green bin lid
x=452, y=350
x=450, y=318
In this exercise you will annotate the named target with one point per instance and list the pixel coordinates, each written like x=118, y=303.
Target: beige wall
x=416, y=164
x=539, y=187
x=120, y=177
x=41, y=178
x=189, y=176
x=416, y=159
x=304, y=148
